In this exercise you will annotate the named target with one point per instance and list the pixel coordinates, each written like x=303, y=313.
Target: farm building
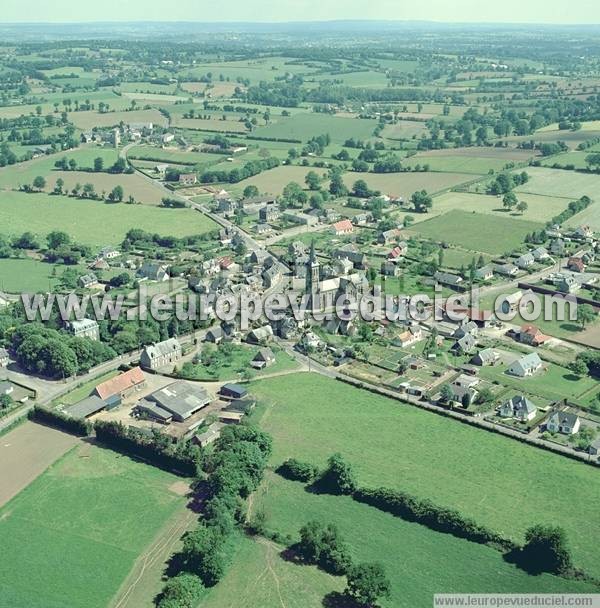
x=263, y=358
x=123, y=385
x=233, y=391
x=182, y=399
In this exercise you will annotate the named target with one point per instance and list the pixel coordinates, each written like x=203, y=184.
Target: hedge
x=54, y=418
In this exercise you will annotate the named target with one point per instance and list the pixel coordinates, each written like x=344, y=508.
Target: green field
x=556, y=182
x=90, y=119
x=93, y=222
x=74, y=533
x=477, y=231
x=27, y=275
x=483, y=475
x=589, y=216
x=275, y=180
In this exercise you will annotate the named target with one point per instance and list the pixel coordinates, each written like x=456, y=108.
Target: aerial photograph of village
x=299, y=304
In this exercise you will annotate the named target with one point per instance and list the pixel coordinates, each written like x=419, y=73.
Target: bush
x=338, y=477
x=322, y=545
x=546, y=549
x=75, y=426
x=295, y=470
x=182, y=591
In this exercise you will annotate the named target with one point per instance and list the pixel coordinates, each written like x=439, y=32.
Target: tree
x=58, y=187
x=312, y=180
x=5, y=401
x=578, y=367
x=250, y=191
x=367, y=583
x=546, y=549
x=585, y=314
x=338, y=477
x=57, y=238
x=509, y=200
x=181, y=591
x=98, y=164
x=202, y=552
x=361, y=189
x=39, y=183
x=337, y=186
x=421, y=201
x=89, y=191
x=522, y=206
x=446, y=393
x=116, y=194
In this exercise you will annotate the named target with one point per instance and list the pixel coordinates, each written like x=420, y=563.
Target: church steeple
x=312, y=271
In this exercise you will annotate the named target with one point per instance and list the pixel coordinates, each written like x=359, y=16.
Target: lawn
x=93, y=222
x=477, y=231
x=404, y=184
x=419, y=562
x=556, y=182
x=79, y=527
x=485, y=476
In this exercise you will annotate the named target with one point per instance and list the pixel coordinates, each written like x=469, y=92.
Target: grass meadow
x=80, y=527
x=501, y=483
x=93, y=222
x=556, y=182
x=478, y=232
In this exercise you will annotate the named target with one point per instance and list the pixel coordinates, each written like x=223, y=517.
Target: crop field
x=93, y=222
x=555, y=182
x=404, y=184
x=477, y=231
x=87, y=120
x=304, y=126
x=539, y=208
x=483, y=475
x=79, y=527
x=275, y=180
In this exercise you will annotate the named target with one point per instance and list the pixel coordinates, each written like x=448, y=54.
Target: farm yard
x=80, y=526
x=93, y=222
x=311, y=417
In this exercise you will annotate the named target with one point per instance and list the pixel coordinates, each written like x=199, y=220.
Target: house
x=390, y=269
x=167, y=138
x=87, y=281
x=260, y=335
x=486, y=357
x=182, y=399
x=226, y=206
x=263, y=358
x=525, y=366
x=352, y=252
x=583, y=232
x=576, y=264
x=214, y=335
x=407, y=338
x=211, y=434
x=470, y=327
x=187, y=179
x=511, y=302
x=108, y=253
x=161, y=354
x=123, y=385
x=446, y=278
x=233, y=391
x=507, y=270
x=161, y=169
x=398, y=251
x=4, y=357
x=530, y=334
x=343, y=227
x=388, y=236
x=463, y=395
x=361, y=219
x=485, y=273
x=268, y=213
x=567, y=283
x=342, y=266
x=563, y=422
x=271, y=276
x=540, y=253
x=518, y=407
x=84, y=328
x=263, y=228
x=466, y=381
x=303, y=219
x=525, y=260
x=557, y=247
x=153, y=271
x=464, y=345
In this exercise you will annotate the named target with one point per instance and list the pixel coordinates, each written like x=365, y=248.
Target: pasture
x=93, y=222
x=27, y=275
x=480, y=232
x=303, y=126
x=80, y=526
x=483, y=475
x=404, y=184
x=87, y=120
x=556, y=182
x=419, y=562
x=404, y=129
x=589, y=216
x=275, y=180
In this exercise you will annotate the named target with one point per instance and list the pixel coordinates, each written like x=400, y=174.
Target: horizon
x=511, y=12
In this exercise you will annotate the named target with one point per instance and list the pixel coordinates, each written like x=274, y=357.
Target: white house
x=525, y=366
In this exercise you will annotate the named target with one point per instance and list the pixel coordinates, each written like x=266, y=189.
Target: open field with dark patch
x=311, y=417
x=79, y=528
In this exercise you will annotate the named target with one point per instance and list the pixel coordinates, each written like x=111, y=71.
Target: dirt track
x=27, y=452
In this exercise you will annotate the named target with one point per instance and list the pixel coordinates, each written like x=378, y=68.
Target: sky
x=490, y=11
